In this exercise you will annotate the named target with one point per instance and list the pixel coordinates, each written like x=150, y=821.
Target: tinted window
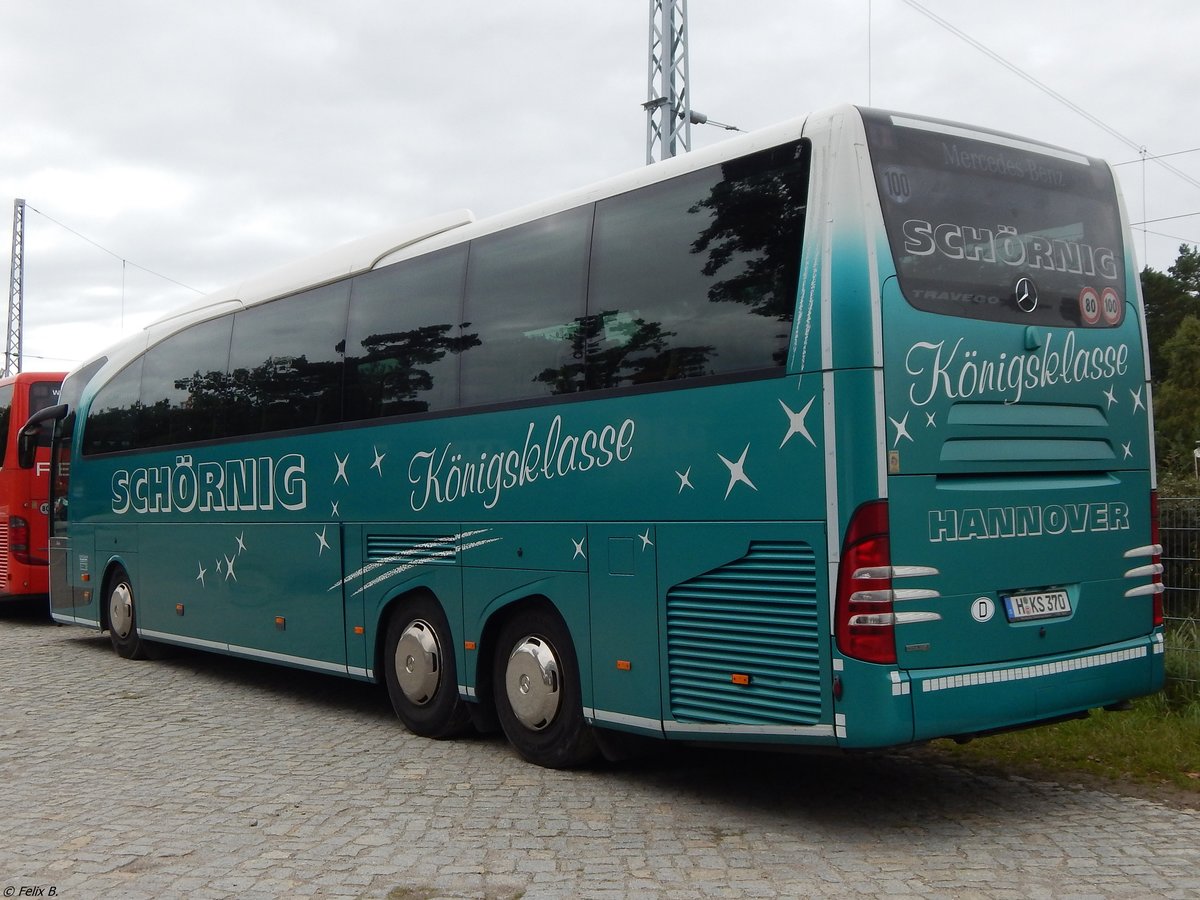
x=404, y=337
x=697, y=275
x=184, y=385
x=285, y=362
x=525, y=298
x=6, y=399
x=114, y=420
x=43, y=395
x=990, y=226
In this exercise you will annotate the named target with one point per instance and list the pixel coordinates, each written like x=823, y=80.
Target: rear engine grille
x=753, y=620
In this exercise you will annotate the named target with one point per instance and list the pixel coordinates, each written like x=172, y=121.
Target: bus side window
x=6, y=399
x=285, y=362
x=525, y=291
x=114, y=421
x=184, y=386
x=687, y=281
x=404, y=337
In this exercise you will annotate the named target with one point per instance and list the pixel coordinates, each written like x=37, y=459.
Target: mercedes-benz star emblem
x=1026, y=294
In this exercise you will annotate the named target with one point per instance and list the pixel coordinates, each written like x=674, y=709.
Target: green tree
x=1177, y=399
x=1167, y=303
x=1173, y=334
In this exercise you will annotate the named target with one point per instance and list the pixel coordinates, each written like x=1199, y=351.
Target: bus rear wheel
x=422, y=678
x=536, y=684
x=122, y=618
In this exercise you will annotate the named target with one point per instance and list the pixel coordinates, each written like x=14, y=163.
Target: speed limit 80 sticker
x=1089, y=305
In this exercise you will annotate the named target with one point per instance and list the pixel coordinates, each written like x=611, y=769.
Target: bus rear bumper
x=966, y=701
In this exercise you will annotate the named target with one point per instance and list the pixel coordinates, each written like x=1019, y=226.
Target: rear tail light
x=18, y=539
x=865, y=624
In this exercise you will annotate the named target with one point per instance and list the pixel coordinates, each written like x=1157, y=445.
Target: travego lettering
x=235, y=485
x=978, y=524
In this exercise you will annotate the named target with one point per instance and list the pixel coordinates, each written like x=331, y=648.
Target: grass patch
x=1155, y=744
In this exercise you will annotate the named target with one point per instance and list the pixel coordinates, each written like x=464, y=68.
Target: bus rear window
x=988, y=226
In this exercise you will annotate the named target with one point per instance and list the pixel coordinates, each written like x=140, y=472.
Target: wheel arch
x=387, y=609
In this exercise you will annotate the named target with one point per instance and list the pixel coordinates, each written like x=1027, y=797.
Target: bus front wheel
x=122, y=617
x=536, y=684
x=421, y=674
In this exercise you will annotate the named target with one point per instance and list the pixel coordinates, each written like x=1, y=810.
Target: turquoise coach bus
x=837, y=434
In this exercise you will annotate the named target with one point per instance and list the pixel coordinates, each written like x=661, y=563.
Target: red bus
x=24, y=493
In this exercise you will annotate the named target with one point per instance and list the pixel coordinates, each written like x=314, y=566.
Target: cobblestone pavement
x=202, y=776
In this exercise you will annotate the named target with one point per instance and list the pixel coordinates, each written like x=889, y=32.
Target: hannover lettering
x=978, y=524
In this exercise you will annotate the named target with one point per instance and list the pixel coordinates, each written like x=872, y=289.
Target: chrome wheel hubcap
x=532, y=683
x=120, y=610
x=418, y=662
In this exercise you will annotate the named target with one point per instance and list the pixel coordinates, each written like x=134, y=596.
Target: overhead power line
x=1130, y=162
x=117, y=256
x=1046, y=89
x=1165, y=219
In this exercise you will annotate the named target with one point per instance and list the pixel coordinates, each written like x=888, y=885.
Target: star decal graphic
x=1128, y=448
x=200, y=577
x=1137, y=399
x=796, y=422
x=378, y=464
x=579, y=551
x=334, y=513
x=737, y=471
x=322, y=544
x=1112, y=400
x=685, y=479
x=901, y=429
x=930, y=421
x=229, y=573
x=341, y=469
x=241, y=542
x=646, y=542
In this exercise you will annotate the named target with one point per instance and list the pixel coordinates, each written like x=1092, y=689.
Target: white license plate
x=1037, y=605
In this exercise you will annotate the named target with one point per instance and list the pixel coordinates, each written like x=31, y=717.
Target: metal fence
x=1179, y=532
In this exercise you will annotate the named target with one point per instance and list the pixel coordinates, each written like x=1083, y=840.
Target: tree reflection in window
x=755, y=232
x=394, y=376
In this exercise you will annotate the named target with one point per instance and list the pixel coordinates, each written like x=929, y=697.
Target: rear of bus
x=24, y=493
x=1011, y=575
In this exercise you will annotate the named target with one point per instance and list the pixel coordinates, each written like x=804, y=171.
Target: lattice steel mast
x=16, y=291
x=668, y=104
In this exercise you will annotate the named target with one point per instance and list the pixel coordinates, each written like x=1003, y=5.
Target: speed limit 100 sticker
x=1110, y=306
x=1089, y=305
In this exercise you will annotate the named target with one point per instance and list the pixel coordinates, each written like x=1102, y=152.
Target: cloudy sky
x=207, y=142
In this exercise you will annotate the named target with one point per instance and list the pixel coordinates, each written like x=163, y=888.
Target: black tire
x=536, y=686
x=422, y=678
x=122, y=617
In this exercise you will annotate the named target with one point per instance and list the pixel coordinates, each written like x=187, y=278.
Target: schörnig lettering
x=257, y=483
